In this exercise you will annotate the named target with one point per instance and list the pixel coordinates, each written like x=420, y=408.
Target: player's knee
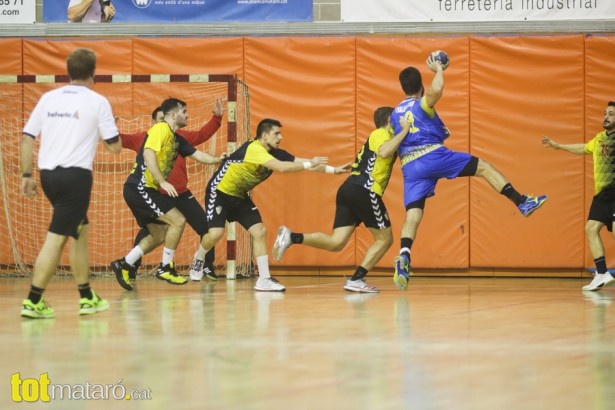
x=592, y=228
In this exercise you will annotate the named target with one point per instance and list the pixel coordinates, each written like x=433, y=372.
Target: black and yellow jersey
x=369, y=169
x=602, y=148
x=167, y=145
x=243, y=169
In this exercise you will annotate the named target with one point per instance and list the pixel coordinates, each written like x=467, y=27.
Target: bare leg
x=48, y=259
x=176, y=222
x=411, y=223
x=596, y=247
x=491, y=175
x=79, y=258
x=383, y=239
x=334, y=242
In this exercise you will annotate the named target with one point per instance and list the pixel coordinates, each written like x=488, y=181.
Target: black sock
x=511, y=193
x=296, y=237
x=85, y=291
x=406, y=243
x=359, y=274
x=600, y=264
x=36, y=294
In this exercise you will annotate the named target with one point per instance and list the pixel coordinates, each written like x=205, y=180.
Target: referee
x=69, y=121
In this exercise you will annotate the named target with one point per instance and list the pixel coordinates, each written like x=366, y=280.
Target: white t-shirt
x=70, y=121
x=94, y=13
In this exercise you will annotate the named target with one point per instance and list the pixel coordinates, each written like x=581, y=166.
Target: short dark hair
x=171, y=104
x=265, y=126
x=381, y=116
x=410, y=80
x=155, y=112
x=611, y=104
x=81, y=64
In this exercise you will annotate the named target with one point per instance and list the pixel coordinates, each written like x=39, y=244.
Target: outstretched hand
x=218, y=109
x=316, y=161
x=549, y=143
x=343, y=169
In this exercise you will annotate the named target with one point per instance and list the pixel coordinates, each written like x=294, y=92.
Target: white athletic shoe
x=282, y=242
x=600, y=280
x=360, y=286
x=196, y=270
x=269, y=285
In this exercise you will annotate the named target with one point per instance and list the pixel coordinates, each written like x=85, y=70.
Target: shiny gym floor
x=446, y=343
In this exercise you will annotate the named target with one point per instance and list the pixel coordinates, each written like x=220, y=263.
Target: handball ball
x=440, y=56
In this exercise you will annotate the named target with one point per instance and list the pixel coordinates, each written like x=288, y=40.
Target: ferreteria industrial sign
x=475, y=10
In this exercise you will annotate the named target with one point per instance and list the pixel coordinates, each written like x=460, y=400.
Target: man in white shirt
x=69, y=120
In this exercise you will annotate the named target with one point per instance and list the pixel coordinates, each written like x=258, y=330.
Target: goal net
x=112, y=226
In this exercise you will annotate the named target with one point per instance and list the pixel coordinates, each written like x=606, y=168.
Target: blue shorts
x=422, y=174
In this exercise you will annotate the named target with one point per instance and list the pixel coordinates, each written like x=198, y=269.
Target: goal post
x=112, y=226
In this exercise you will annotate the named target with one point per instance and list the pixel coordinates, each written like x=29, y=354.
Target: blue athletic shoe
x=531, y=204
x=402, y=272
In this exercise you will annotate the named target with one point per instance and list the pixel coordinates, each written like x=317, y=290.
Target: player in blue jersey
x=425, y=160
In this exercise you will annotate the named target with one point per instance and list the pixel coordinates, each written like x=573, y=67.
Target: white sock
x=167, y=256
x=200, y=254
x=134, y=255
x=262, y=262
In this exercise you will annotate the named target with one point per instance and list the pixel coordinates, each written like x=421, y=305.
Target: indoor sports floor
x=446, y=343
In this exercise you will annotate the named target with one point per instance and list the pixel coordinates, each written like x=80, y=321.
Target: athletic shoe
x=402, y=272
x=91, y=306
x=123, y=272
x=269, y=285
x=210, y=272
x=282, y=242
x=37, y=311
x=531, y=204
x=196, y=270
x=360, y=286
x=600, y=280
x=168, y=273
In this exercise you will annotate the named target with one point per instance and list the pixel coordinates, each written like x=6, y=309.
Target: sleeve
x=35, y=123
x=107, y=127
x=195, y=138
x=257, y=154
x=155, y=138
x=183, y=147
x=431, y=111
x=591, y=145
x=283, y=155
x=133, y=142
x=377, y=138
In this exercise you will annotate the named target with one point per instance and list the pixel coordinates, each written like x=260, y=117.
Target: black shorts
x=68, y=190
x=602, y=208
x=354, y=204
x=192, y=210
x=221, y=207
x=146, y=204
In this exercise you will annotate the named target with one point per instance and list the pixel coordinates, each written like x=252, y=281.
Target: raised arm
x=76, y=12
x=436, y=88
x=208, y=129
x=578, y=149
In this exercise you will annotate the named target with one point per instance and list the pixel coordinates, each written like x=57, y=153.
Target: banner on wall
x=475, y=10
x=17, y=12
x=191, y=11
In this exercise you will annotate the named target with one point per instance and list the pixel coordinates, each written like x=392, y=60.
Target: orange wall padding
x=502, y=94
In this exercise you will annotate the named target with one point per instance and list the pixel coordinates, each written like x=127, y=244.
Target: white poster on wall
x=17, y=11
x=475, y=10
